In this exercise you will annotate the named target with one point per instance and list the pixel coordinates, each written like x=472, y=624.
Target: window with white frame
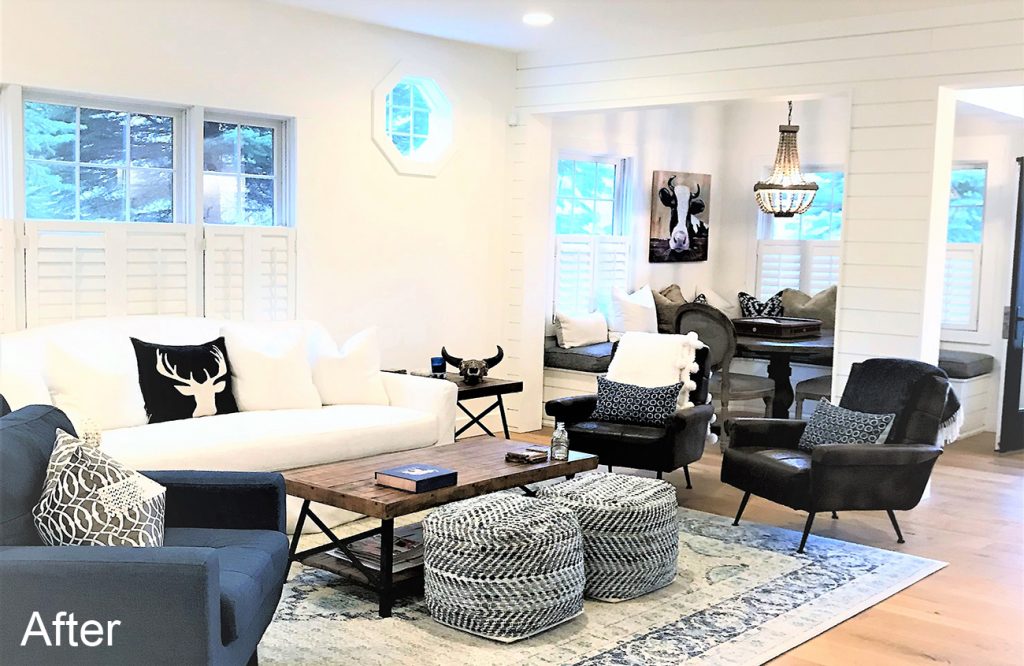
x=802, y=251
x=964, y=235
x=240, y=183
x=591, y=245
x=99, y=163
x=102, y=220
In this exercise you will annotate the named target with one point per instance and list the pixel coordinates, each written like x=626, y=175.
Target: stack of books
x=529, y=455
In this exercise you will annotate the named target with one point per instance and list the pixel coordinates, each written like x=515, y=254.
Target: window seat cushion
x=588, y=358
x=965, y=365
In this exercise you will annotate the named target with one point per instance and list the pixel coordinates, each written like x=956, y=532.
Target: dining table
x=781, y=354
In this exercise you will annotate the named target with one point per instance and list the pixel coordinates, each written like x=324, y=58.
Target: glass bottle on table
x=560, y=442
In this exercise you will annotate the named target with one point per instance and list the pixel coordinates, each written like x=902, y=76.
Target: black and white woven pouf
x=503, y=566
x=630, y=532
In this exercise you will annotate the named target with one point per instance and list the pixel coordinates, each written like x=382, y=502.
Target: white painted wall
x=898, y=70
x=419, y=257
x=996, y=141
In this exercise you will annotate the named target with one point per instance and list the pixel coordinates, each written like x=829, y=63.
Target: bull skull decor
x=472, y=370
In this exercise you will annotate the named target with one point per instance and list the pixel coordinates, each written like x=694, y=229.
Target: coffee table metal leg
x=387, y=552
x=298, y=531
x=504, y=421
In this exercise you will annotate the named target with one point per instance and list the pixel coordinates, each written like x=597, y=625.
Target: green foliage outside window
x=585, y=198
x=966, y=205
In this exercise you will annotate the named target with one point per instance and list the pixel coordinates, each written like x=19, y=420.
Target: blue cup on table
x=437, y=367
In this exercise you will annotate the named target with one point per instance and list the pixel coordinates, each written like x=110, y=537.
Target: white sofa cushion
x=270, y=368
x=95, y=381
x=352, y=376
x=632, y=312
x=272, y=440
x=585, y=329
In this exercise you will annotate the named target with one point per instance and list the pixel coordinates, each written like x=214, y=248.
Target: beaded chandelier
x=785, y=193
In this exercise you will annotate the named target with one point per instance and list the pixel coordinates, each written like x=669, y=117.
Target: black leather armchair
x=656, y=448
x=763, y=459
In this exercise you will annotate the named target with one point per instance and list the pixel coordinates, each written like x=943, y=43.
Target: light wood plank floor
x=972, y=516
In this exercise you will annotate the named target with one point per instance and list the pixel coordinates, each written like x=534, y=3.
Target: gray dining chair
x=714, y=328
x=814, y=388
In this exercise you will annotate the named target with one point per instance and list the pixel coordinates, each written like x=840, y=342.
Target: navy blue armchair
x=205, y=597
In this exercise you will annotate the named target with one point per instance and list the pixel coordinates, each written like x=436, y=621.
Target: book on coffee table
x=407, y=547
x=416, y=477
x=529, y=454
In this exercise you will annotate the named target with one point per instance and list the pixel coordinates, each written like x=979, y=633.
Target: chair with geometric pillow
x=807, y=467
x=204, y=597
x=663, y=447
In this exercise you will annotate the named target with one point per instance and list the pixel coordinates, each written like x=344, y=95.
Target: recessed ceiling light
x=538, y=19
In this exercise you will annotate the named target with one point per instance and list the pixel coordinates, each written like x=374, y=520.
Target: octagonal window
x=412, y=122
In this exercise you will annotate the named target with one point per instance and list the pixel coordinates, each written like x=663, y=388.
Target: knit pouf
x=503, y=566
x=630, y=532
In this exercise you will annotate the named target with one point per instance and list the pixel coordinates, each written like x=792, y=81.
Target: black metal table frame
x=478, y=418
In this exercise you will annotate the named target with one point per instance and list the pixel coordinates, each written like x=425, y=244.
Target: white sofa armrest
x=436, y=396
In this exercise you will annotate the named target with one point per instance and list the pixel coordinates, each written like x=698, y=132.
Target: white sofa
x=421, y=412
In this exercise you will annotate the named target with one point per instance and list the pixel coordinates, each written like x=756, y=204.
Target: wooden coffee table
x=350, y=485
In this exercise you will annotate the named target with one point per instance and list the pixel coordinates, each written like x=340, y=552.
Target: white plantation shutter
x=586, y=269
x=250, y=272
x=68, y=272
x=574, y=274
x=821, y=269
x=78, y=270
x=806, y=265
x=962, y=276
x=9, y=282
x=779, y=266
x=161, y=269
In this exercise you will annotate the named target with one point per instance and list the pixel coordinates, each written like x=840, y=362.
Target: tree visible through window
x=964, y=235
x=97, y=164
x=585, y=198
x=239, y=174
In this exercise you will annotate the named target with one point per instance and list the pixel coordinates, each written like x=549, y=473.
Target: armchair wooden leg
x=799, y=406
x=659, y=475
x=768, y=407
x=895, y=526
x=807, y=530
x=609, y=469
x=743, y=505
x=835, y=516
x=686, y=471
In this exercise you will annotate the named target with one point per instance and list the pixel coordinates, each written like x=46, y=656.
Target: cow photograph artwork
x=679, y=216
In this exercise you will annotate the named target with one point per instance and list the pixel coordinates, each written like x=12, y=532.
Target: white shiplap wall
x=894, y=68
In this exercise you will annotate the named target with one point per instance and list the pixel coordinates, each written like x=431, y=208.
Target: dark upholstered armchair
x=763, y=459
x=205, y=597
x=656, y=448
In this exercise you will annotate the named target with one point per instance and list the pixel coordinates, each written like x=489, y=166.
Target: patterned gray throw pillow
x=90, y=499
x=627, y=403
x=832, y=424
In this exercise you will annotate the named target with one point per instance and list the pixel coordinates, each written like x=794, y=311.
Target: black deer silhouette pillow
x=184, y=381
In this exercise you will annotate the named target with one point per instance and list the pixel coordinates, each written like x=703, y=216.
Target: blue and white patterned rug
x=743, y=596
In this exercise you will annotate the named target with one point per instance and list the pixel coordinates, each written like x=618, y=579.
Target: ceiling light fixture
x=538, y=19
x=786, y=193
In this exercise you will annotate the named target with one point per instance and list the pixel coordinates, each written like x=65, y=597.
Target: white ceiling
x=589, y=23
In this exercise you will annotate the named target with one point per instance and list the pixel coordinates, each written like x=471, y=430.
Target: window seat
x=964, y=364
x=588, y=358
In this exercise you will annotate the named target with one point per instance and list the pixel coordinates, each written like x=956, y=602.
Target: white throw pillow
x=634, y=312
x=269, y=368
x=586, y=329
x=99, y=388
x=352, y=377
x=730, y=306
x=657, y=359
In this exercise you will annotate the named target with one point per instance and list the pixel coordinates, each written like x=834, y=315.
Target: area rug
x=743, y=596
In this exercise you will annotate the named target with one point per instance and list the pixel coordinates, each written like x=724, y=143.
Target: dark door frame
x=1011, y=437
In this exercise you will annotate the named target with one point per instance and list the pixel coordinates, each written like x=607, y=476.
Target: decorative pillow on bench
x=90, y=499
x=832, y=424
x=751, y=307
x=628, y=403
